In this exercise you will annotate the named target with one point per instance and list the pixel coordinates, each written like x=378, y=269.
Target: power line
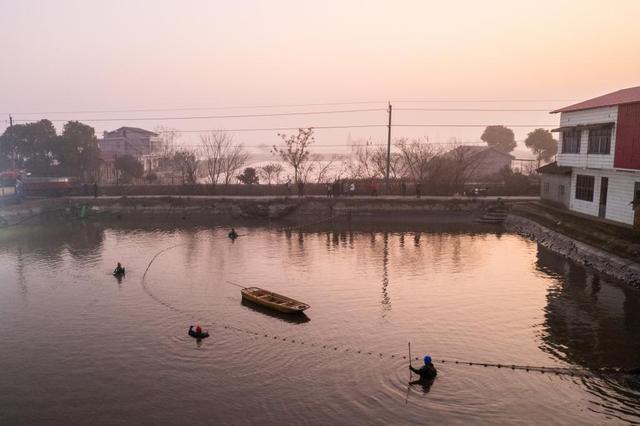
x=210, y=108
x=480, y=100
x=203, y=117
x=265, y=145
x=473, y=125
x=264, y=129
x=265, y=106
x=271, y=129
x=474, y=109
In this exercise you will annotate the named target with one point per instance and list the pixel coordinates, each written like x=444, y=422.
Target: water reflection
x=425, y=384
x=386, y=300
x=298, y=318
x=589, y=321
x=82, y=241
x=458, y=292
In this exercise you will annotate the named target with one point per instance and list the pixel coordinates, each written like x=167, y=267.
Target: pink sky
x=91, y=55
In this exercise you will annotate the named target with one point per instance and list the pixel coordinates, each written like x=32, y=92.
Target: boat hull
x=272, y=300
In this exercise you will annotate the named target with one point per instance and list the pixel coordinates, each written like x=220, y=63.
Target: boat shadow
x=295, y=318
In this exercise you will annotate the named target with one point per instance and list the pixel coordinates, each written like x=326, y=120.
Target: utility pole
x=13, y=147
x=388, y=146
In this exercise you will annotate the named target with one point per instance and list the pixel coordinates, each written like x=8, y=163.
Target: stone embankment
x=450, y=209
x=272, y=208
x=619, y=268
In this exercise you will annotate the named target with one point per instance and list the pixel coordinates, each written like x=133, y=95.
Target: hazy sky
x=109, y=55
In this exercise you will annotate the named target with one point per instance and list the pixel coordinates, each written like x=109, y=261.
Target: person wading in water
x=119, y=270
x=427, y=371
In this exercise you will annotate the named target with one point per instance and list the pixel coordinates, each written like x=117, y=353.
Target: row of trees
x=38, y=148
x=540, y=141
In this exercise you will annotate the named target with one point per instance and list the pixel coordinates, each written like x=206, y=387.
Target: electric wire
x=272, y=129
x=290, y=105
x=203, y=117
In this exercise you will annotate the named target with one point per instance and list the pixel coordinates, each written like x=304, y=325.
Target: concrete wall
x=555, y=188
x=620, y=194
x=590, y=116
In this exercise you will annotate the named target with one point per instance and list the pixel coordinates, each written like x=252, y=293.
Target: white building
x=600, y=142
x=139, y=143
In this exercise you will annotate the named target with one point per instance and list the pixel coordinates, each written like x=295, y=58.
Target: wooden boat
x=272, y=300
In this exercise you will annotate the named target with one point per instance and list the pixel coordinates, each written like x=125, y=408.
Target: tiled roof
x=624, y=96
x=134, y=129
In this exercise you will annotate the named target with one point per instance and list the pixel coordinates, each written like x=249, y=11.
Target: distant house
x=555, y=182
x=600, y=142
x=480, y=161
x=107, y=173
x=139, y=143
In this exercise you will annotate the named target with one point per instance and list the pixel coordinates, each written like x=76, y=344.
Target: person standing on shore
x=95, y=189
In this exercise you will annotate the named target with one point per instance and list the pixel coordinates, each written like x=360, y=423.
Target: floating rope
x=571, y=371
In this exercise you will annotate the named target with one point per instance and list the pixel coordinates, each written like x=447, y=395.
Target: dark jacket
x=427, y=371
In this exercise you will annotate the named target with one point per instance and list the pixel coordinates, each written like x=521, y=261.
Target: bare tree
x=460, y=163
x=295, y=151
x=307, y=168
x=214, y=147
x=417, y=158
x=396, y=166
x=164, y=147
x=186, y=163
x=322, y=176
x=343, y=169
x=363, y=165
x=221, y=157
x=234, y=160
x=371, y=162
x=165, y=143
x=270, y=172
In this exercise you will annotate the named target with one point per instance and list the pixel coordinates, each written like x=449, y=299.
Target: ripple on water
x=450, y=293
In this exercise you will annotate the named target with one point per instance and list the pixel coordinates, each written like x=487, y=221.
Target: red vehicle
x=9, y=177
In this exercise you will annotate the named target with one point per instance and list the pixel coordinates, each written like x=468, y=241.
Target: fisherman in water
x=119, y=270
x=427, y=371
x=233, y=234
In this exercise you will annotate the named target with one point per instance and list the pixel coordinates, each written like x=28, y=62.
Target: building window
x=571, y=141
x=561, y=191
x=584, y=187
x=546, y=187
x=599, y=141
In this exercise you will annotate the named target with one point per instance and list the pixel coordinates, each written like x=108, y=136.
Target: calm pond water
x=79, y=346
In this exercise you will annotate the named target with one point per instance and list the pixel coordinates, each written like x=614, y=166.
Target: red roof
x=624, y=96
